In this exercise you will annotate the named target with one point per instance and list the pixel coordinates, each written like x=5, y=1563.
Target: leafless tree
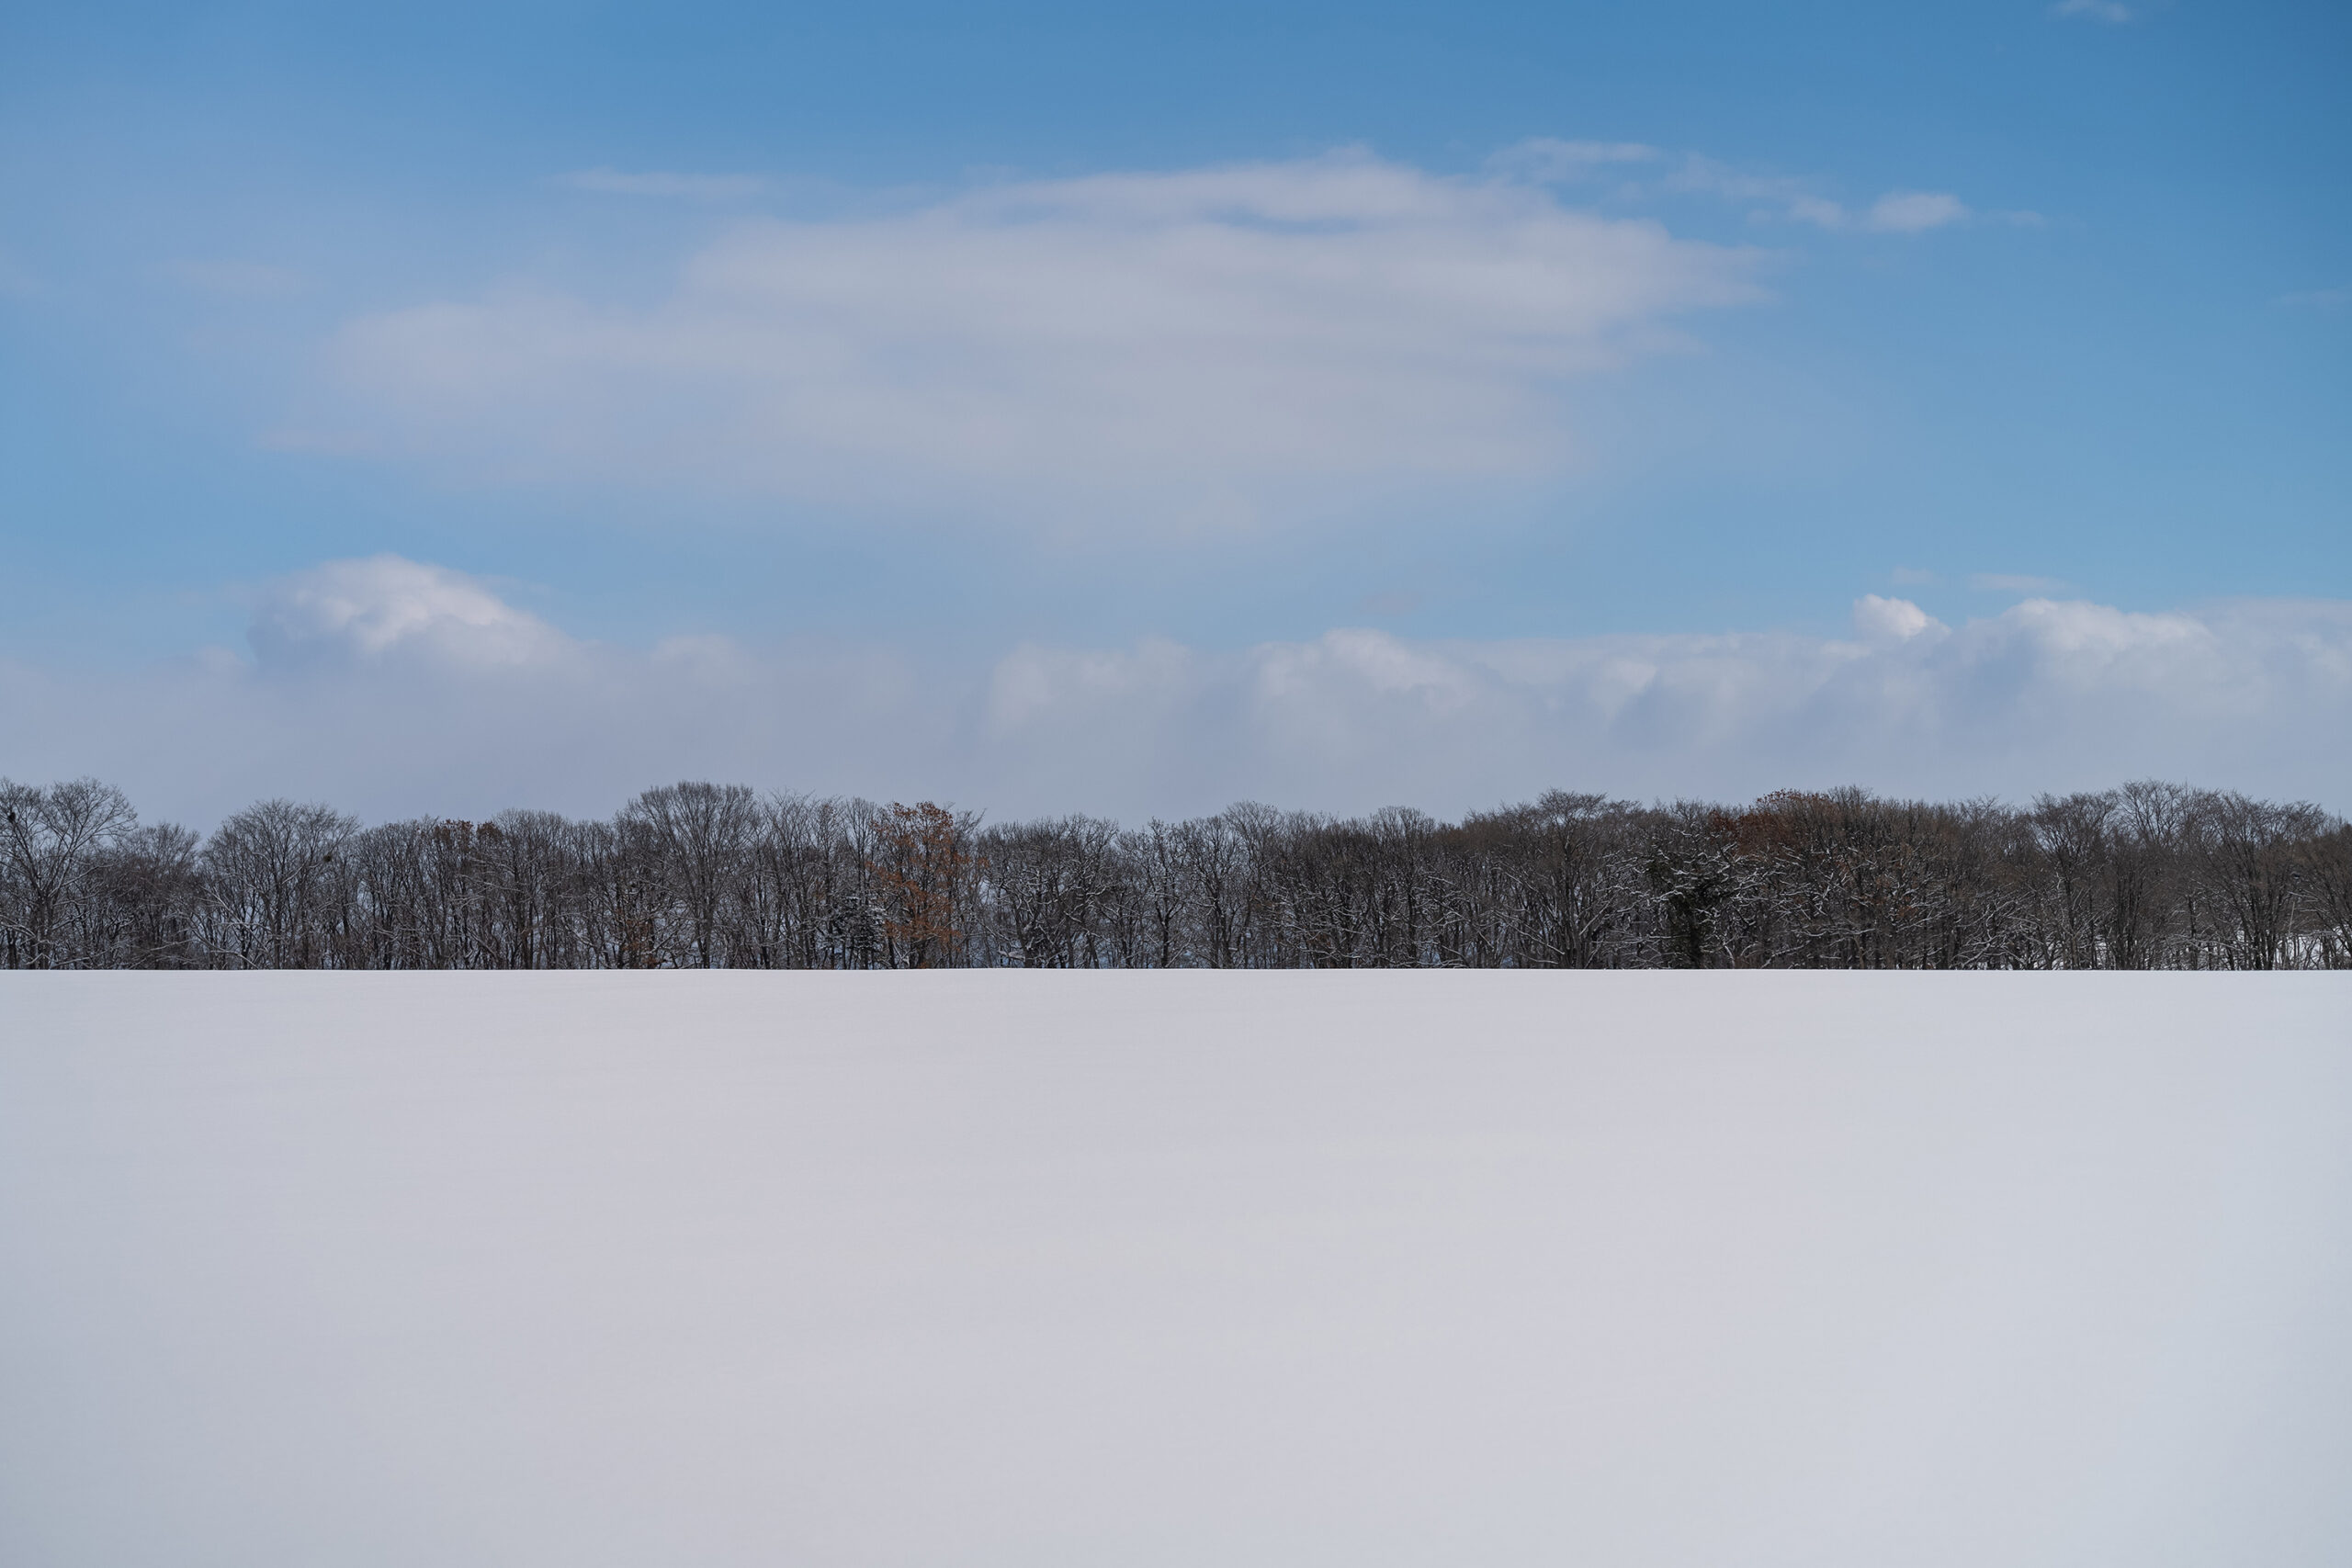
x=270, y=884
x=698, y=837
x=52, y=842
x=698, y=875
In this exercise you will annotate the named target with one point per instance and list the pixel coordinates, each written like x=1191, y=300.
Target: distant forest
x=700, y=875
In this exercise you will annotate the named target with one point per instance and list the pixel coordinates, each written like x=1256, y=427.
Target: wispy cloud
x=2318, y=298
x=1914, y=212
x=1547, y=158
x=662, y=183
x=396, y=687
x=1792, y=198
x=1211, y=347
x=2110, y=11
x=1801, y=201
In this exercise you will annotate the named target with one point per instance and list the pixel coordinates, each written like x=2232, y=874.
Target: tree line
x=2150, y=876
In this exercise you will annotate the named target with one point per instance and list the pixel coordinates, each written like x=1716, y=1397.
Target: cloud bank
x=1215, y=347
x=396, y=688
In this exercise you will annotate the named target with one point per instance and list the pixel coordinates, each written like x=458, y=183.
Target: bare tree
x=699, y=838
x=52, y=841
x=705, y=875
x=2251, y=863
x=270, y=882
x=2325, y=870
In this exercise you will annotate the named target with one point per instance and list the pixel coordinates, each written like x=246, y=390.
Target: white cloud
x=387, y=608
x=1795, y=199
x=2319, y=299
x=1801, y=201
x=1889, y=622
x=659, y=183
x=396, y=688
x=1914, y=212
x=1137, y=352
x=2110, y=11
x=2046, y=696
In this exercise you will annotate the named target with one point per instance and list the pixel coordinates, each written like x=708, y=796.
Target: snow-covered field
x=1031, y=1270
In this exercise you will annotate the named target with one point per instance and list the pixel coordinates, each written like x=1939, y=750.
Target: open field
x=1025, y=1269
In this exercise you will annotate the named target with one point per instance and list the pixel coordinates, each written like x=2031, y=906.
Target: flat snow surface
x=1220, y=1270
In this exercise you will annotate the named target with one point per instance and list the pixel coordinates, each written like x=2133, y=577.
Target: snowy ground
x=1034, y=1270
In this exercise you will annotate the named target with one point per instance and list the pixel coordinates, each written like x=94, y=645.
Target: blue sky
x=950, y=345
